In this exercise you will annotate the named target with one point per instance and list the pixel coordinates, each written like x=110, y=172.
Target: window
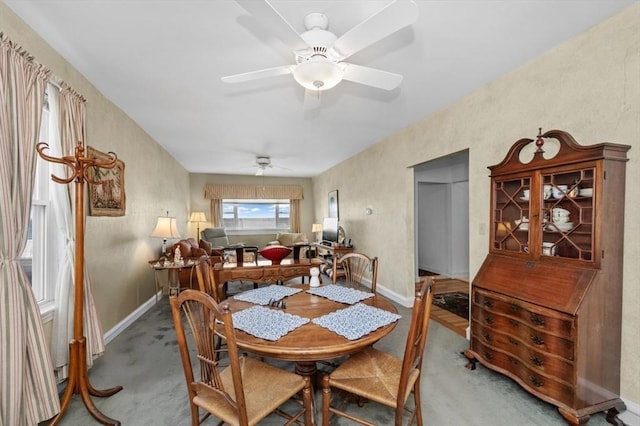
x=255, y=215
x=39, y=257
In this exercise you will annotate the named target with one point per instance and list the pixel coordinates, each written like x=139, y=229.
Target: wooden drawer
x=539, y=361
x=248, y=275
x=288, y=273
x=537, y=339
x=535, y=381
x=535, y=316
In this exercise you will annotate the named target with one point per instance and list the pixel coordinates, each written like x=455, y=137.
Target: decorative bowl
x=275, y=253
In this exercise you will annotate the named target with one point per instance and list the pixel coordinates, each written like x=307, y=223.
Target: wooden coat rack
x=78, y=381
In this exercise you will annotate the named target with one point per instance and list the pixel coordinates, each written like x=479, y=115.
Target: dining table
x=362, y=318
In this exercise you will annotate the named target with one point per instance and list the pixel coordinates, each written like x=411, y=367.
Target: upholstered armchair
x=217, y=237
x=191, y=250
x=217, y=241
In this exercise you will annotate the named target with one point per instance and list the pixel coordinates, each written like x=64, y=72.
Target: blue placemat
x=265, y=323
x=263, y=295
x=341, y=294
x=356, y=321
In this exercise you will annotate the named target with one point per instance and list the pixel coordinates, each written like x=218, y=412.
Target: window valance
x=230, y=191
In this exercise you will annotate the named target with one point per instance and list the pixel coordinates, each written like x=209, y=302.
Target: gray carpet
x=144, y=359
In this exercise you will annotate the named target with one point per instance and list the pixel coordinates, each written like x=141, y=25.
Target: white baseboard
x=130, y=319
x=401, y=300
x=631, y=416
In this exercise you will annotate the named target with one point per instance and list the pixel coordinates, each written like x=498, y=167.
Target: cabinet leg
x=612, y=417
x=471, y=365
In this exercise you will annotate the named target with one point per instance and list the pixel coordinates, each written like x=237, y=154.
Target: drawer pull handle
x=513, y=323
x=513, y=361
x=488, y=303
x=487, y=337
x=488, y=355
x=537, y=361
x=537, y=320
x=488, y=320
x=514, y=308
x=537, y=381
x=513, y=341
x=537, y=340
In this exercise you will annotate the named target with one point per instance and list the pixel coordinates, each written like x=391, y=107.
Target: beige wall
x=589, y=86
x=117, y=248
x=199, y=203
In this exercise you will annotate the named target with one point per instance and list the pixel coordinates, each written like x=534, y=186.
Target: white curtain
x=69, y=108
x=28, y=392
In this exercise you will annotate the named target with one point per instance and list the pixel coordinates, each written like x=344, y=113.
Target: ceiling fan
x=263, y=163
x=319, y=54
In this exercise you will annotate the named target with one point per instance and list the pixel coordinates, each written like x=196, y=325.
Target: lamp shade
x=318, y=73
x=166, y=228
x=197, y=217
x=316, y=227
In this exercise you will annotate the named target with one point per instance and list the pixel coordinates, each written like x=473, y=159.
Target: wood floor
x=444, y=317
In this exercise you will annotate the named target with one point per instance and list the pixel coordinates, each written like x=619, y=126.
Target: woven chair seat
x=258, y=380
x=374, y=375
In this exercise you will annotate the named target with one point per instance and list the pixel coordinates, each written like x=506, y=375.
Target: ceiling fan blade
x=371, y=76
x=274, y=22
x=311, y=99
x=392, y=18
x=255, y=75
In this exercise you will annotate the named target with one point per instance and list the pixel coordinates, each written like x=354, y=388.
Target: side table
x=173, y=271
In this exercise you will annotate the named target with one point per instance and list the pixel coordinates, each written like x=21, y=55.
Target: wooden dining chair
x=378, y=376
x=359, y=270
x=207, y=284
x=246, y=391
x=206, y=279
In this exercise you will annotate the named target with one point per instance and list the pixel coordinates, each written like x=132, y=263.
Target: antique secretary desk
x=546, y=303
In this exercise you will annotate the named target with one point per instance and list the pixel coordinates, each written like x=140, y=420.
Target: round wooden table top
x=310, y=342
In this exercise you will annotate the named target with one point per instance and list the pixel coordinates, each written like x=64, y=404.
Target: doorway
x=442, y=215
x=442, y=231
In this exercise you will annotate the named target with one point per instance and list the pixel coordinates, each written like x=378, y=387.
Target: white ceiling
x=161, y=63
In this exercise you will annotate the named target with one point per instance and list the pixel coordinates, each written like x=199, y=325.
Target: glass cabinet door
x=564, y=215
x=567, y=213
x=511, y=208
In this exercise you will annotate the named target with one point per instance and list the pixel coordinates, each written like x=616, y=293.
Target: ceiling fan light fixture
x=318, y=73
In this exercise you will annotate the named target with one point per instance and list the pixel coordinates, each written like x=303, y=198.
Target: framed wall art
x=106, y=189
x=333, y=204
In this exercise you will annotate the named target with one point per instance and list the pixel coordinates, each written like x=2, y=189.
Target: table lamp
x=166, y=228
x=198, y=218
x=315, y=229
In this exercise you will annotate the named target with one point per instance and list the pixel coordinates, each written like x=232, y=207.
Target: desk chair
x=359, y=268
x=377, y=376
x=246, y=391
